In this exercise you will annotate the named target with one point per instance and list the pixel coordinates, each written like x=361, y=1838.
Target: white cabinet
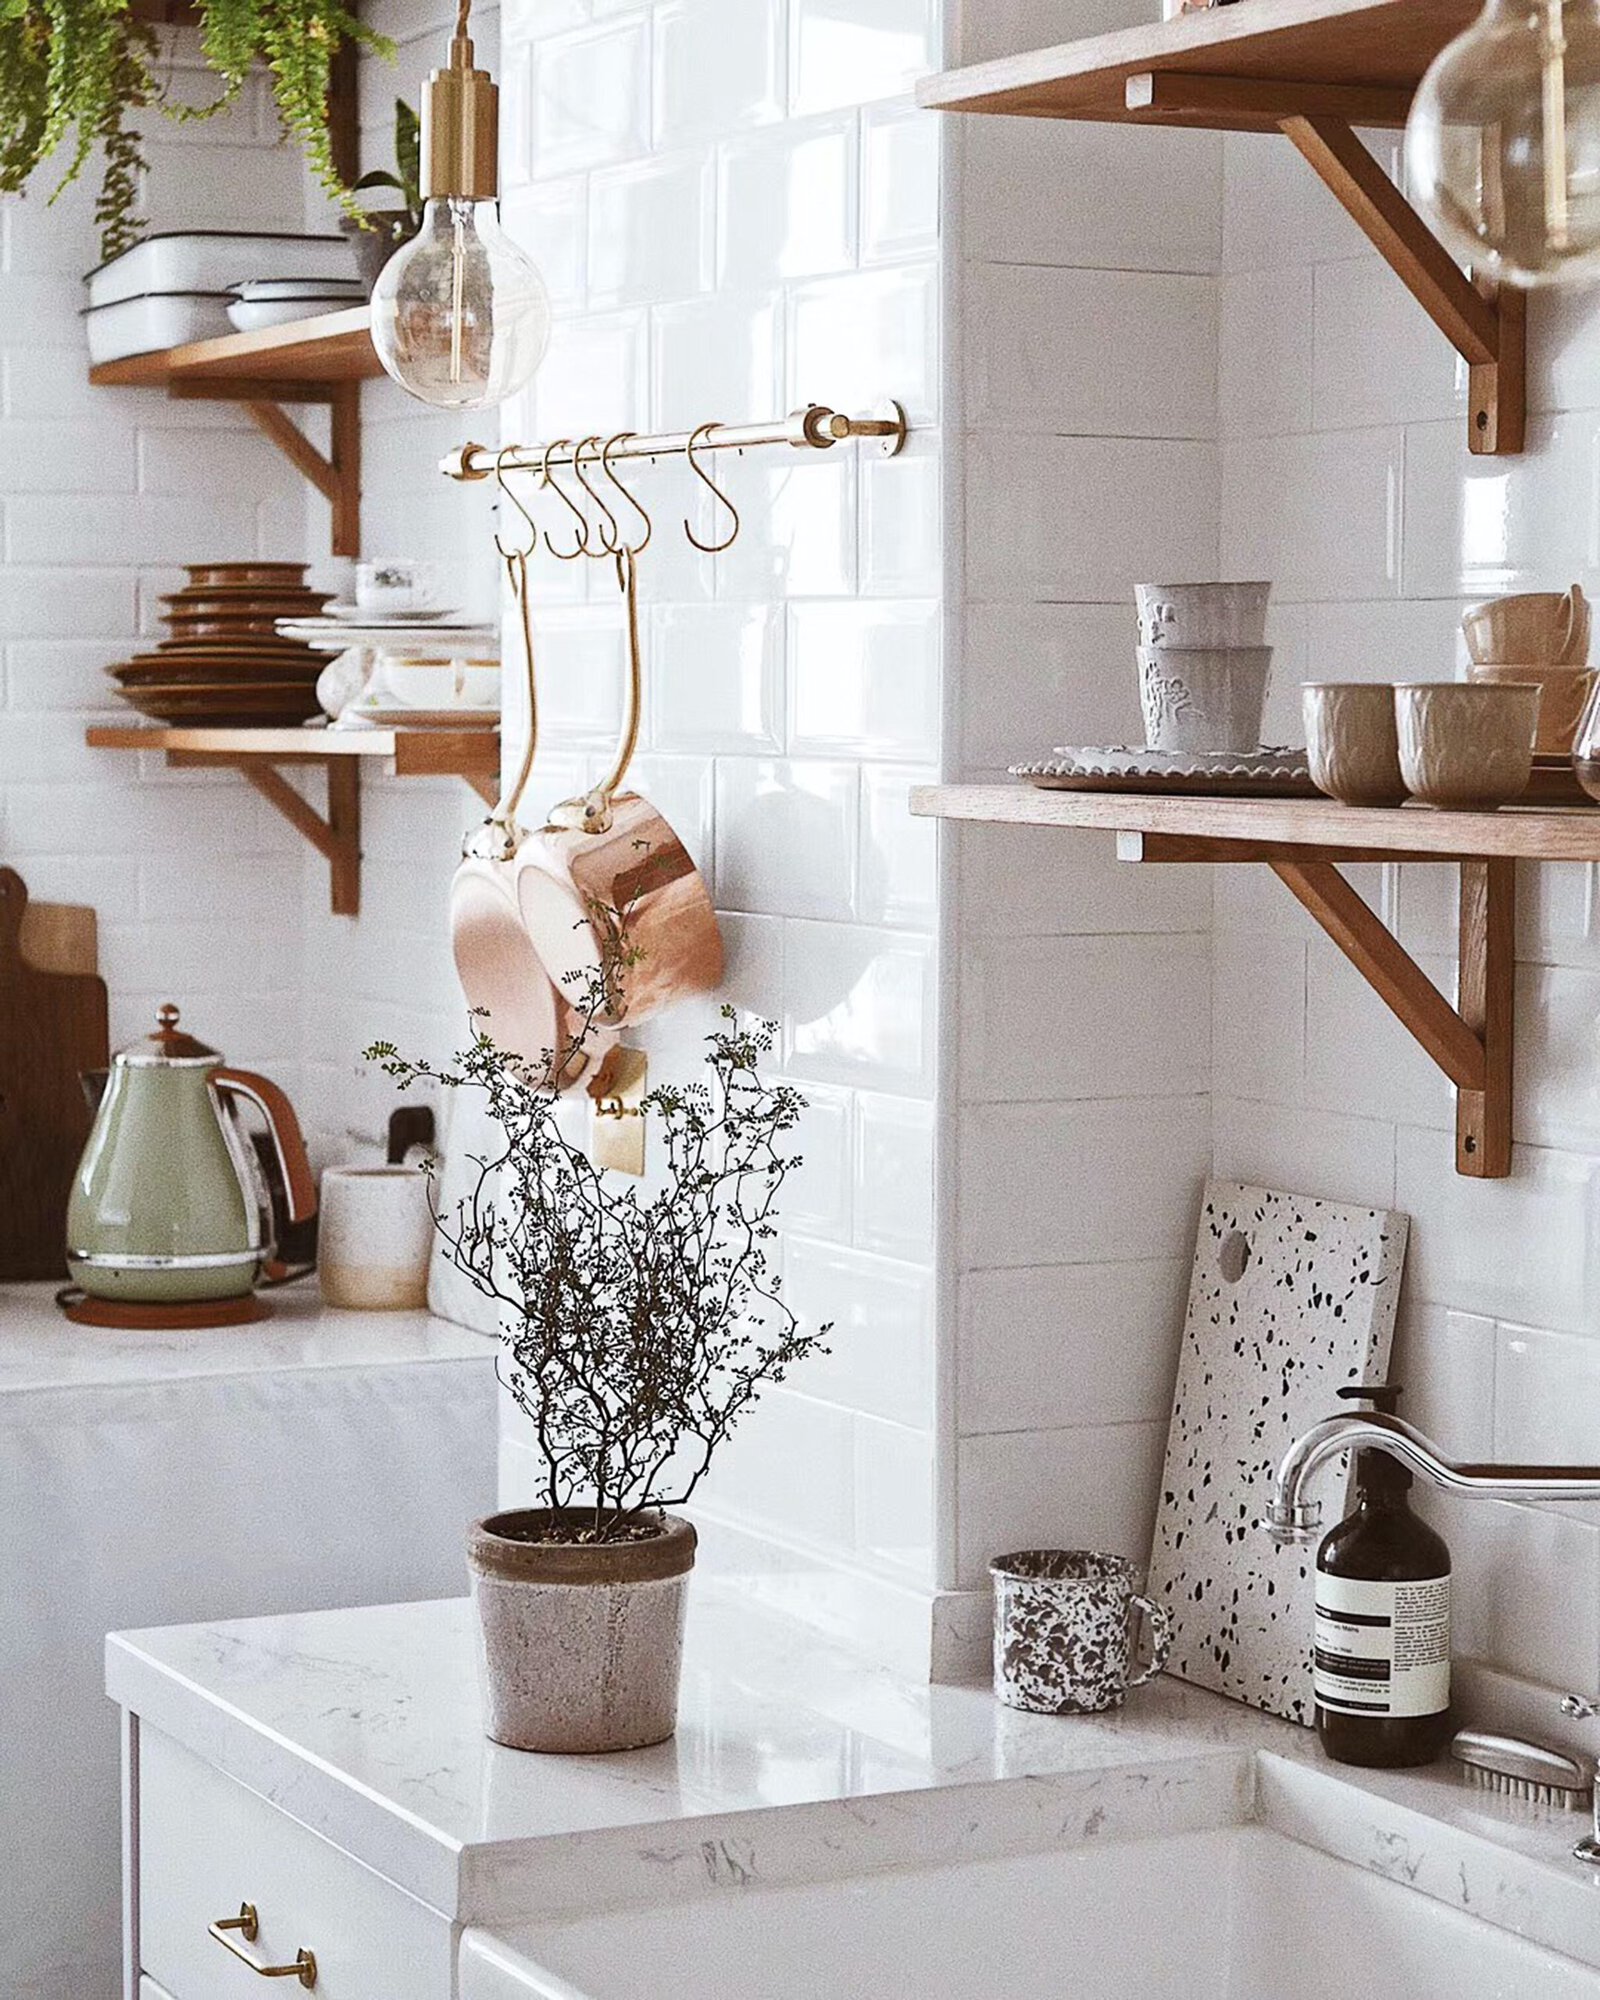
x=206, y=1845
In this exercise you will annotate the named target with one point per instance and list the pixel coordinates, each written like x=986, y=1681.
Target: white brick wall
x=1346, y=479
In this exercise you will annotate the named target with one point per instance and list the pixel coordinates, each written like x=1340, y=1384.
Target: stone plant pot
x=582, y=1642
x=374, y=246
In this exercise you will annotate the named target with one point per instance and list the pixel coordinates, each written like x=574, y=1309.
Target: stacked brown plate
x=223, y=660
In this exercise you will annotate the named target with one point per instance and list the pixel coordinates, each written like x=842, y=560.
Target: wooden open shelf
x=1303, y=841
x=321, y=360
x=256, y=754
x=1311, y=69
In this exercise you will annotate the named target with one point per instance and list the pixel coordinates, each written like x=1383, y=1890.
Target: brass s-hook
x=511, y=557
x=548, y=479
x=634, y=548
x=700, y=473
x=612, y=542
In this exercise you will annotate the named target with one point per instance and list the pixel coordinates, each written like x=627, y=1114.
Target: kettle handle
x=288, y=1143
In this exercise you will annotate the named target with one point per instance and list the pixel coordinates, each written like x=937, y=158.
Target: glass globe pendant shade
x=460, y=317
x=1502, y=147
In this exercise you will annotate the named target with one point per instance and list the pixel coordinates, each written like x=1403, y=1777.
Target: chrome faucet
x=1290, y=1517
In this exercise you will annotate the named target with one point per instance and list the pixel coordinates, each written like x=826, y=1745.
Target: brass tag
x=618, y=1089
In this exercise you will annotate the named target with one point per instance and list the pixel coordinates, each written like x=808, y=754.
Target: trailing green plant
x=638, y=1327
x=74, y=72
x=406, y=179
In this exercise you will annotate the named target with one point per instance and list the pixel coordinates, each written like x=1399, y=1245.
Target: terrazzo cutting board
x=1290, y=1299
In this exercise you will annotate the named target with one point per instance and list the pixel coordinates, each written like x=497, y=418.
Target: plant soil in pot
x=582, y=1640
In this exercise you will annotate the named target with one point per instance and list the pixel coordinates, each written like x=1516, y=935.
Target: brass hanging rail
x=817, y=429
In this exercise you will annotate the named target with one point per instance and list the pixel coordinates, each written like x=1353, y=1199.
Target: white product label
x=1383, y=1648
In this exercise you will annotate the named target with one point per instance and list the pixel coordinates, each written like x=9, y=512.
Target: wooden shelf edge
x=1289, y=825
x=332, y=347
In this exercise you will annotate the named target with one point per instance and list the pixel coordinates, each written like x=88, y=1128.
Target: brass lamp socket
x=461, y=130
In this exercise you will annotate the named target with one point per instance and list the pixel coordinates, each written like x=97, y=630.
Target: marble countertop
x=794, y=1760
x=40, y=1350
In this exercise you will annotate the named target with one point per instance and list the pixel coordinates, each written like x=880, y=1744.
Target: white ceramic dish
x=359, y=716
x=211, y=260
x=301, y=287
x=1265, y=773
x=158, y=319
x=445, y=639
x=347, y=613
x=252, y=315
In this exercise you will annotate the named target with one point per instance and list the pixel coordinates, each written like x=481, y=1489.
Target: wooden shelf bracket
x=336, y=837
x=1472, y=1041
x=1485, y=324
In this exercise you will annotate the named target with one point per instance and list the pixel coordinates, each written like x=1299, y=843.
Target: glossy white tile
x=1038, y=358
x=1446, y=1363
x=864, y=679
x=651, y=230
x=719, y=65
x=594, y=376
x=880, y=1359
x=1279, y=496
x=894, y=1499
x=715, y=354
x=894, y=1192
x=1093, y=1487
x=819, y=1195
x=1546, y=1397
x=1031, y=676
x=787, y=203
x=1265, y=359
x=1107, y=1181
x=875, y=48
x=1059, y=1346
x=1379, y=358
x=900, y=166
x=798, y=533
x=717, y=677
x=787, y=836
x=897, y=876
x=1084, y=1017
x=859, y=1006
x=590, y=98
x=902, y=521
x=1027, y=882
x=1258, y=1044
x=855, y=341
x=1307, y=1151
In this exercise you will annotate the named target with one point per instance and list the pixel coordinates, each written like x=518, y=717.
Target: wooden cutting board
x=53, y=1026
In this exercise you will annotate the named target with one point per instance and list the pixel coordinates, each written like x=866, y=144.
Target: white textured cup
x=390, y=584
x=375, y=1238
x=1202, y=614
x=1203, y=697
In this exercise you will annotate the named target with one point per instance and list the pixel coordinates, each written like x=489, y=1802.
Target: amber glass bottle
x=1383, y=1621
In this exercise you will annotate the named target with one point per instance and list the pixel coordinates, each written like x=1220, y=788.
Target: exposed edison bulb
x=1503, y=143
x=460, y=316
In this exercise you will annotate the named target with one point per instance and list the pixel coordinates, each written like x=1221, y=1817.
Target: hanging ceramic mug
x=610, y=893
x=507, y=983
x=1064, y=1631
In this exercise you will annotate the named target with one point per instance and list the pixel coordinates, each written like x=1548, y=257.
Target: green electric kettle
x=163, y=1208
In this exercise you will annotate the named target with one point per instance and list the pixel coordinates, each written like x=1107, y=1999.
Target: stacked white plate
x=262, y=302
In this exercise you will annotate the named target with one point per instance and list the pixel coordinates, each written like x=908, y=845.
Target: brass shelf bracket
x=1472, y=1041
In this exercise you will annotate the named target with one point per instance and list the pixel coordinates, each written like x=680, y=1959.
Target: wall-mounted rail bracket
x=1472, y=1041
x=1487, y=325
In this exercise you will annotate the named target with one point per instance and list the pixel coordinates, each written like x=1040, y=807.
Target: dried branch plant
x=639, y=1327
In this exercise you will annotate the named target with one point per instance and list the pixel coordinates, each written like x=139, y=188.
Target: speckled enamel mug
x=1064, y=1631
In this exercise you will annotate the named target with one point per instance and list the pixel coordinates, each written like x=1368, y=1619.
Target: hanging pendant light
x=460, y=316
x=1502, y=145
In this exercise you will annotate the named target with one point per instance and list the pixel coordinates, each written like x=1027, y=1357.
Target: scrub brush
x=1518, y=1770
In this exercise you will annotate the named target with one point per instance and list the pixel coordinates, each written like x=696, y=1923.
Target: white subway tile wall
x=1346, y=480
x=742, y=212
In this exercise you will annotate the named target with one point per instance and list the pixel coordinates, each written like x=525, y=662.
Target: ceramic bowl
x=1564, y=694
x=1202, y=614
x=1351, y=742
x=1550, y=626
x=434, y=685
x=1466, y=744
x=1203, y=697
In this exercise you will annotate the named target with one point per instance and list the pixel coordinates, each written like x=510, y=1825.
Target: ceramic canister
x=375, y=1242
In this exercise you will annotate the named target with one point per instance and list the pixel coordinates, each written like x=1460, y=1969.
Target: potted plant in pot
x=639, y=1328
x=75, y=73
x=377, y=233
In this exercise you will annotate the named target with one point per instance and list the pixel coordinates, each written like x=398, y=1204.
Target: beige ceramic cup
x=1466, y=744
x=1564, y=696
x=1551, y=626
x=1351, y=743
x=375, y=1238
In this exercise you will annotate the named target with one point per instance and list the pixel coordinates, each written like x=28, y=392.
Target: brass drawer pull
x=247, y=1924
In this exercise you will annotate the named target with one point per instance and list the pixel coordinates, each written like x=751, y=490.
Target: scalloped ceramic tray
x=1266, y=773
